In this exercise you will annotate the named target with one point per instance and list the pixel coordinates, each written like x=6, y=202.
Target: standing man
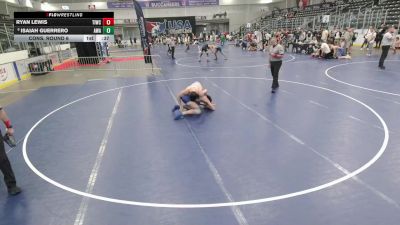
x=267, y=37
x=348, y=37
x=324, y=35
x=187, y=42
x=5, y=165
x=172, y=46
x=223, y=39
x=387, y=42
x=379, y=36
x=369, y=32
x=370, y=38
x=168, y=41
x=276, y=52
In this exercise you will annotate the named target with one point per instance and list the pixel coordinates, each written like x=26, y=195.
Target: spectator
x=370, y=38
x=348, y=37
x=325, y=51
x=172, y=46
x=369, y=31
x=324, y=36
x=337, y=35
x=387, y=42
x=379, y=36
x=396, y=45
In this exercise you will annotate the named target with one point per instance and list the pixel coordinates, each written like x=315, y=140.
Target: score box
x=108, y=21
x=108, y=30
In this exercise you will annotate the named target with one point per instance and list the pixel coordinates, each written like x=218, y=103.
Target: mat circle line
x=207, y=205
x=357, y=86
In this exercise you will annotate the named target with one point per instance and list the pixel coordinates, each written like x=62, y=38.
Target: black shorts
x=218, y=49
x=204, y=49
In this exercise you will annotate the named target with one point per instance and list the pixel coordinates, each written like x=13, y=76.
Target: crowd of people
x=205, y=43
x=324, y=43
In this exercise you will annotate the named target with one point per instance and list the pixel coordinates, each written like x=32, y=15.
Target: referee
x=5, y=165
x=276, y=52
x=387, y=42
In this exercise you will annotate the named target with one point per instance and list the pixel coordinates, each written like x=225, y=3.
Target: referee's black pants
x=275, y=67
x=385, y=51
x=173, y=52
x=5, y=167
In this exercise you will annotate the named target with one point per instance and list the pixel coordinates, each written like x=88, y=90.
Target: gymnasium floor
x=325, y=149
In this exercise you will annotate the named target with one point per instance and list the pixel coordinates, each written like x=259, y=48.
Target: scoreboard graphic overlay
x=64, y=26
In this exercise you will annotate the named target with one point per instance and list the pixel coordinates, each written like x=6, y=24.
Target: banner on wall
x=171, y=25
x=7, y=73
x=144, y=37
x=161, y=3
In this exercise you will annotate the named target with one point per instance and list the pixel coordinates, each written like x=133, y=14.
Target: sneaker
x=361, y=49
x=382, y=67
x=367, y=49
x=14, y=190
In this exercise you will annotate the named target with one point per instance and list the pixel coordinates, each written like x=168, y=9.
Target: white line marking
x=378, y=127
x=96, y=79
x=292, y=136
x=217, y=177
x=318, y=104
x=19, y=141
x=287, y=92
x=296, y=139
x=364, y=122
x=352, y=85
x=209, y=205
x=80, y=216
x=355, y=118
x=339, y=167
x=355, y=178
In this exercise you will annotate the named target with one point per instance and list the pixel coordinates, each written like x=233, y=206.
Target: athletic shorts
x=185, y=99
x=218, y=49
x=204, y=50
